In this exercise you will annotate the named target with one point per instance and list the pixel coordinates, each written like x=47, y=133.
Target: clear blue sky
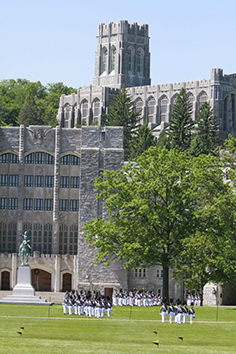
x=55, y=40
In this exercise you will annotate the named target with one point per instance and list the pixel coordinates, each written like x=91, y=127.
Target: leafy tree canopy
x=25, y=102
x=158, y=206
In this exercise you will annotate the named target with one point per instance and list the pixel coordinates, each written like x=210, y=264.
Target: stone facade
x=123, y=58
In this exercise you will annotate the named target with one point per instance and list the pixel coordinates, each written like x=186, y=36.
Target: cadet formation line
x=97, y=305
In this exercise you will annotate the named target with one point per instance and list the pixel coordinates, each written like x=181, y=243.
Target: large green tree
x=149, y=212
x=209, y=253
x=122, y=113
x=167, y=209
x=181, y=124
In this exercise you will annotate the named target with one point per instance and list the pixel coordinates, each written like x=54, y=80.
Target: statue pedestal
x=23, y=292
x=24, y=286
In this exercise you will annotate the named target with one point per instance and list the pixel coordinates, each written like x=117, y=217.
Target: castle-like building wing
x=123, y=58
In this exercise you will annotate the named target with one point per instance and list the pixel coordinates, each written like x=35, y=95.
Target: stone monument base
x=23, y=292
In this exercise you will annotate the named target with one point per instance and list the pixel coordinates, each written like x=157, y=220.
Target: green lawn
x=124, y=332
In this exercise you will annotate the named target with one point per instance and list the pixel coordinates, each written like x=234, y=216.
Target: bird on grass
x=20, y=332
x=22, y=327
x=155, y=332
x=181, y=337
x=156, y=342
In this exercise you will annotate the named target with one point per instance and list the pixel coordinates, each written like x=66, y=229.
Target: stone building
x=47, y=188
x=47, y=174
x=123, y=58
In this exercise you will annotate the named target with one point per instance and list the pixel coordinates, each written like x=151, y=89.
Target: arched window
x=96, y=110
x=173, y=102
x=202, y=97
x=163, y=108
x=103, y=60
x=130, y=60
x=112, y=58
x=138, y=105
x=84, y=111
x=191, y=100
x=140, y=57
x=67, y=110
x=225, y=113
x=150, y=109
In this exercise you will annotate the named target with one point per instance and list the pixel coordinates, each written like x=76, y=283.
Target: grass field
x=214, y=331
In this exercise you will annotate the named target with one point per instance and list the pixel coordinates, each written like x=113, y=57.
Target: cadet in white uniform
x=163, y=312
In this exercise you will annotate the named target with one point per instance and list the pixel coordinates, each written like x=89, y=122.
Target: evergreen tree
x=141, y=141
x=122, y=113
x=206, y=138
x=163, y=140
x=181, y=124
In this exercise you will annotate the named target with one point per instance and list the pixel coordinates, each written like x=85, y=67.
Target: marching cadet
x=191, y=313
x=71, y=305
x=171, y=312
x=163, y=312
x=98, y=309
x=103, y=306
x=109, y=306
x=179, y=314
x=185, y=314
x=65, y=302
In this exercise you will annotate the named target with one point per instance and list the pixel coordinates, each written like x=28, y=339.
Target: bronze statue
x=24, y=249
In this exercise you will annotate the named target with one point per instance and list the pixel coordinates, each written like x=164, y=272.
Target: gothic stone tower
x=122, y=56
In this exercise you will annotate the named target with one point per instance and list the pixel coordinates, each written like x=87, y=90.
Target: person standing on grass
x=163, y=312
x=171, y=312
x=109, y=306
x=185, y=314
x=65, y=302
x=191, y=313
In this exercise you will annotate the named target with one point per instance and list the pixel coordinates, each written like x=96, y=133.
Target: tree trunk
x=165, y=285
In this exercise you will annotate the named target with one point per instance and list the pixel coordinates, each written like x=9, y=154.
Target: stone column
x=20, y=186
x=14, y=259
x=55, y=240
x=57, y=278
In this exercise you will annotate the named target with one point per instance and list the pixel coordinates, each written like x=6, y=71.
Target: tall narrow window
x=75, y=160
x=49, y=159
x=49, y=181
x=163, y=109
x=39, y=181
x=29, y=159
x=14, y=158
x=28, y=180
x=103, y=60
x=112, y=59
x=150, y=109
x=140, y=58
x=4, y=158
x=38, y=204
x=138, y=106
x=3, y=180
x=39, y=157
x=13, y=204
x=202, y=98
x=84, y=111
x=131, y=60
x=96, y=110
x=13, y=180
